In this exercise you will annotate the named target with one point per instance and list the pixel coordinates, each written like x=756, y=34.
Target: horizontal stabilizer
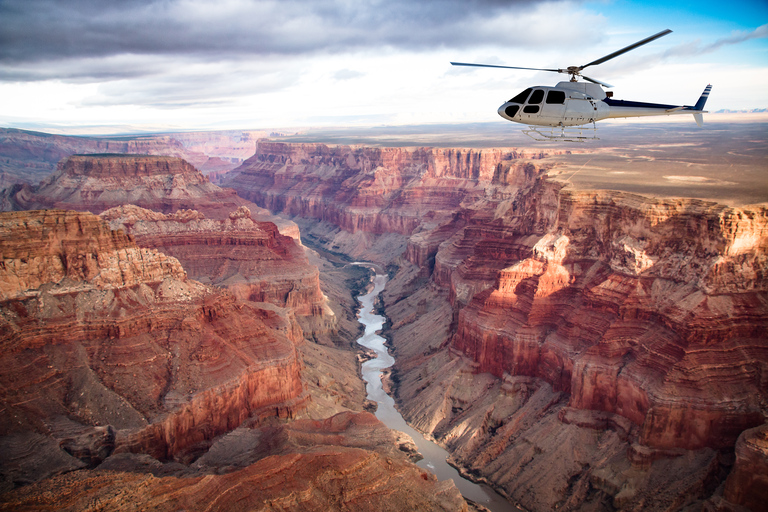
x=675, y=109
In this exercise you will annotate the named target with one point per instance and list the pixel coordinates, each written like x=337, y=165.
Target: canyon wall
x=98, y=182
x=128, y=384
x=225, y=240
x=346, y=462
x=367, y=192
x=100, y=335
x=574, y=348
x=250, y=258
x=29, y=157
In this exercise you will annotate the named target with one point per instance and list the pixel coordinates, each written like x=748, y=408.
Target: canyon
x=572, y=347
x=124, y=373
x=28, y=156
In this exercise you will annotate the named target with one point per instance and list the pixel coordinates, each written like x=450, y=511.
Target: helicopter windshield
x=520, y=98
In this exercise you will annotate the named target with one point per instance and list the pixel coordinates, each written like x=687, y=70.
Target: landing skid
x=562, y=133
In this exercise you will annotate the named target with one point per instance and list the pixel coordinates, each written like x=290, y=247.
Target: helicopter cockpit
x=532, y=100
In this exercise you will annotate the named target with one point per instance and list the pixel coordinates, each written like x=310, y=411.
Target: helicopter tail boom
x=620, y=108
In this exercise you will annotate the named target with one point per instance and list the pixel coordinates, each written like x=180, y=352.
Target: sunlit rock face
x=108, y=348
x=248, y=257
x=577, y=348
x=648, y=309
x=600, y=342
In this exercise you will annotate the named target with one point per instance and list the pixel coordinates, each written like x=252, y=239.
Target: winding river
x=434, y=456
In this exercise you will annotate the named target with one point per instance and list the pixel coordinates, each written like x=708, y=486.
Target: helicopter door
x=553, y=109
x=579, y=110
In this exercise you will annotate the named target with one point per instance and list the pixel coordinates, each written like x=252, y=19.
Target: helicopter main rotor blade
x=628, y=48
x=596, y=81
x=505, y=67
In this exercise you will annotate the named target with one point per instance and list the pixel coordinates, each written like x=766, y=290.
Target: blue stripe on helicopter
x=639, y=104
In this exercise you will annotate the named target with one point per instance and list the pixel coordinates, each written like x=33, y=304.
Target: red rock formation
x=348, y=462
x=627, y=305
x=165, y=184
x=28, y=157
x=248, y=257
x=374, y=190
x=747, y=485
x=642, y=319
x=98, y=332
x=98, y=182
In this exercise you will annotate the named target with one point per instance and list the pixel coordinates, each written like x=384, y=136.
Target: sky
x=70, y=66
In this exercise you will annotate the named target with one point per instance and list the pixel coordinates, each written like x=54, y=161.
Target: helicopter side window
x=530, y=109
x=536, y=97
x=556, y=97
x=520, y=98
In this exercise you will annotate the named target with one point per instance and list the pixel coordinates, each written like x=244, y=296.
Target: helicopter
x=570, y=104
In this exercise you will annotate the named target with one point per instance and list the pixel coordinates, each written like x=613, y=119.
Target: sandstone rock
x=747, y=485
x=161, y=183
x=630, y=330
x=250, y=258
x=347, y=462
x=28, y=157
x=618, y=306
x=375, y=191
x=98, y=332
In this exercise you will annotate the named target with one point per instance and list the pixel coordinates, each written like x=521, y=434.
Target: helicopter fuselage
x=578, y=103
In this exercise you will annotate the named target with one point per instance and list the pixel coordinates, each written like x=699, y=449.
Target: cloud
x=696, y=48
x=347, y=74
x=685, y=50
x=49, y=31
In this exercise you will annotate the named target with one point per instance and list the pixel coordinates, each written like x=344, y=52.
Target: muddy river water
x=434, y=456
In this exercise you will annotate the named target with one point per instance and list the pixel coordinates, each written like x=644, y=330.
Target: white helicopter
x=574, y=103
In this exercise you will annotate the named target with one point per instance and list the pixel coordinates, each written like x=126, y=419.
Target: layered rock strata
x=96, y=183
x=639, y=319
x=366, y=191
x=28, y=157
x=575, y=348
x=250, y=258
x=347, y=462
x=108, y=347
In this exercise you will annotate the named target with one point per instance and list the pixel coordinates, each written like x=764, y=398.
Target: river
x=434, y=456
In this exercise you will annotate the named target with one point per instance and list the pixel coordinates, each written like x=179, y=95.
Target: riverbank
x=434, y=456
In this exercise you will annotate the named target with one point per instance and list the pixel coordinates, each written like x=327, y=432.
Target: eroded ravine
x=434, y=456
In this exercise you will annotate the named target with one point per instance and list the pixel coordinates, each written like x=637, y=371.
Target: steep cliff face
x=137, y=385
x=641, y=319
x=28, y=157
x=575, y=348
x=96, y=183
x=250, y=258
x=110, y=347
x=364, y=190
x=632, y=306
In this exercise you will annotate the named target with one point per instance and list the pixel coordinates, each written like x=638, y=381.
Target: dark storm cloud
x=70, y=36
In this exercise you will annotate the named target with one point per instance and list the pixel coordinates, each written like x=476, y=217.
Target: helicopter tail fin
x=702, y=99
x=699, y=119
